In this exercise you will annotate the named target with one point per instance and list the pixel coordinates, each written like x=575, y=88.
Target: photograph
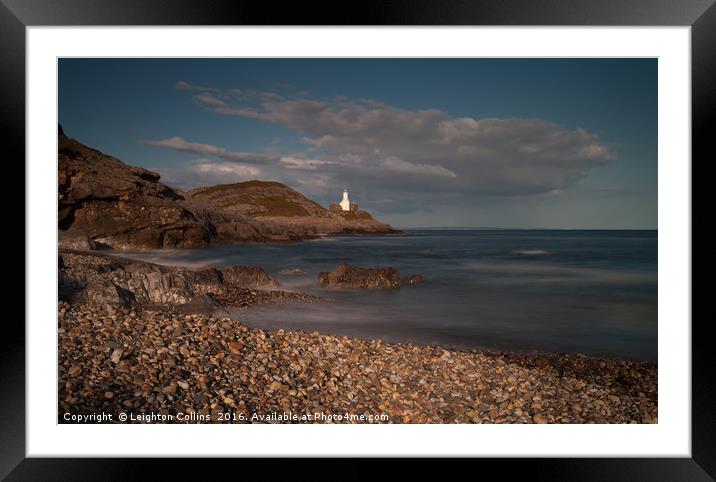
x=407, y=230
x=357, y=240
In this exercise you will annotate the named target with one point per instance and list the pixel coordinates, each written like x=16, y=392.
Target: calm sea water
x=592, y=292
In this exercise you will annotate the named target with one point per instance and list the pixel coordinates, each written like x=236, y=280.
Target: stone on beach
x=116, y=355
x=539, y=419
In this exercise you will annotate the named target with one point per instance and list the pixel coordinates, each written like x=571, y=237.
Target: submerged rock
x=347, y=276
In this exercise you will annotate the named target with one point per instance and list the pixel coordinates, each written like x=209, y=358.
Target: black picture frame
x=700, y=15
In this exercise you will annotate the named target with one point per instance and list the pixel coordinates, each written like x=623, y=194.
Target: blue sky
x=527, y=143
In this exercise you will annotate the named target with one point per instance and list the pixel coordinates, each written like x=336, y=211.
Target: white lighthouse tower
x=345, y=203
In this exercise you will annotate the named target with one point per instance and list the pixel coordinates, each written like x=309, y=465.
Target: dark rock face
x=226, y=227
x=119, y=205
x=90, y=277
x=347, y=276
x=413, y=279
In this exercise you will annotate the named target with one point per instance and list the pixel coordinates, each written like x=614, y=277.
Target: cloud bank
x=380, y=147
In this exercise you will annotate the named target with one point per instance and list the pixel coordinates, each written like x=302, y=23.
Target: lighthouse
x=345, y=203
x=344, y=207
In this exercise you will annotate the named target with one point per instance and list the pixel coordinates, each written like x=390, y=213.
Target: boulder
x=100, y=290
x=248, y=277
x=75, y=241
x=293, y=271
x=347, y=276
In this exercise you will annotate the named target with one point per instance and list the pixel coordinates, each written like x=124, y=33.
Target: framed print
x=461, y=230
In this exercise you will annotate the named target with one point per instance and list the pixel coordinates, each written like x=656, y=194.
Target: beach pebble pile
x=237, y=296
x=140, y=362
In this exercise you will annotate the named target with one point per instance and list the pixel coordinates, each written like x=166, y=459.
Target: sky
x=507, y=143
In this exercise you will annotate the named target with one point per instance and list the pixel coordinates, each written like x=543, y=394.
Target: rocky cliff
x=103, y=202
x=113, y=204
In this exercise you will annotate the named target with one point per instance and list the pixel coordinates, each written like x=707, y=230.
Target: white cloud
x=181, y=85
x=208, y=99
x=179, y=144
x=398, y=166
x=291, y=162
x=208, y=167
x=206, y=172
x=322, y=184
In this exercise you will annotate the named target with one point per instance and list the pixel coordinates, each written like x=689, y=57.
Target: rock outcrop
x=75, y=241
x=248, y=277
x=347, y=276
x=94, y=277
x=120, y=206
x=259, y=199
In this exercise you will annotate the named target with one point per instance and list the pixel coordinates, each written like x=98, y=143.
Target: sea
x=557, y=291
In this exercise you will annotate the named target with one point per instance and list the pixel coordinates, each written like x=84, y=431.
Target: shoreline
x=287, y=301
x=142, y=361
x=141, y=338
x=483, y=349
